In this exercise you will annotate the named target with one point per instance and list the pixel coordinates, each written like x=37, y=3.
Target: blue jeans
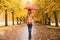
x=29, y=29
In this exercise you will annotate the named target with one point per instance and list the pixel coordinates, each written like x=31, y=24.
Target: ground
x=20, y=32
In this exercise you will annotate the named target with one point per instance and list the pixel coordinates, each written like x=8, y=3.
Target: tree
x=55, y=16
x=6, y=23
x=48, y=6
x=17, y=19
x=13, y=17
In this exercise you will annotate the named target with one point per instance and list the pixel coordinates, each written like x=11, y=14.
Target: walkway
x=20, y=32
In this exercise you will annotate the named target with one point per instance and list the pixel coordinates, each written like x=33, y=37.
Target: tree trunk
x=24, y=19
x=46, y=16
x=20, y=20
x=49, y=21
x=6, y=23
x=13, y=18
x=45, y=21
x=17, y=20
x=55, y=16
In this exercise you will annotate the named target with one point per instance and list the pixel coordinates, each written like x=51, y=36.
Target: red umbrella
x=31, y=7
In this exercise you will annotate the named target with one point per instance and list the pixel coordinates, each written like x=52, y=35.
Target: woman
x=29, y=22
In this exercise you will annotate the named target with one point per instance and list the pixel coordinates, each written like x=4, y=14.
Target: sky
x=30, y=1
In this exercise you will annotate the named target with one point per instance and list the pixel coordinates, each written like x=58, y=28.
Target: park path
x=20, y=32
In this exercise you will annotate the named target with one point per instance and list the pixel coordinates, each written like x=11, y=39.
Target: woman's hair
x=29, y=11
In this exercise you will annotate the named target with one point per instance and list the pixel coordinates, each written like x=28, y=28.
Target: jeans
x=29, y=29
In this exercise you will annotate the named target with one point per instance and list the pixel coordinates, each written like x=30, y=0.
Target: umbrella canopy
x=31, y=8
